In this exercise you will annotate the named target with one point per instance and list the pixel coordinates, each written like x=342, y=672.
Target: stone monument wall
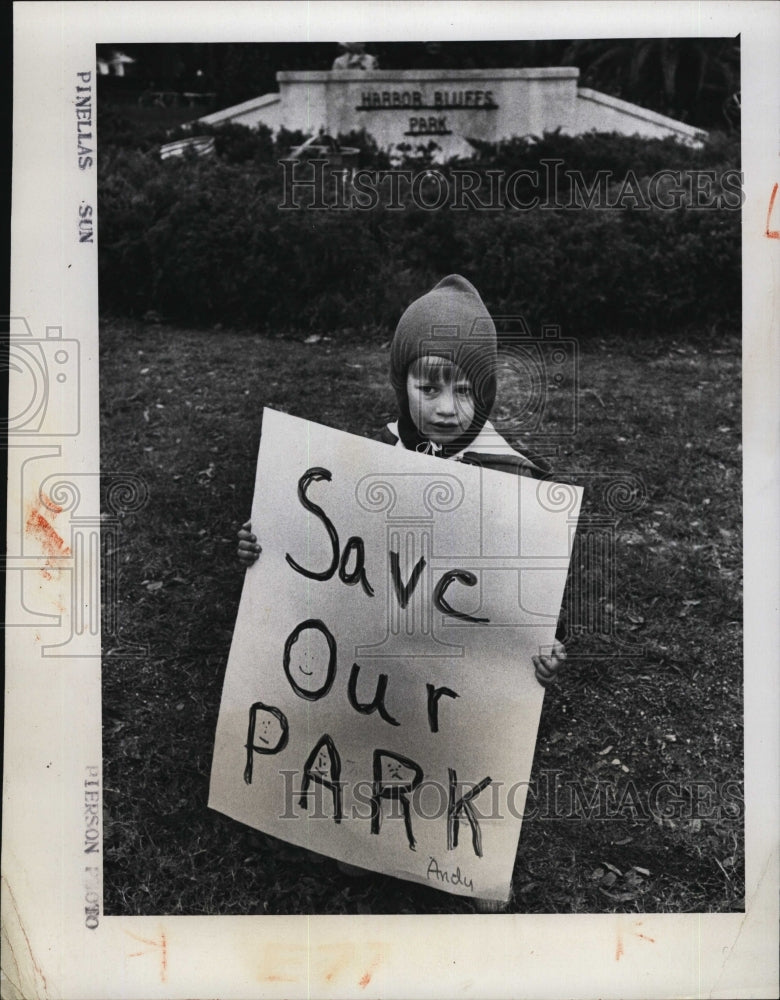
x=416, y=106
x=448, y=107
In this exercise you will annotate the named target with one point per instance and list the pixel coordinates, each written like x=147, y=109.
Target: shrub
x=203, y=241
x=239, y=144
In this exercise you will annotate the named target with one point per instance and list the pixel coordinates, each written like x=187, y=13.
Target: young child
x=443, y=362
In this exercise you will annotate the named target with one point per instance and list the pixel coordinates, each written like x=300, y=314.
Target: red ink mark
x=278, y=979
x=619, y=947
x=53, y=544
x=772, y=234
x=39, y=528
x=48, y=502
x=365, y=979
x=164, y=957
x=161, y=943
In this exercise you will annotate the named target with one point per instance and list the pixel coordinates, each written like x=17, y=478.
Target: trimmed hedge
x=202, y=241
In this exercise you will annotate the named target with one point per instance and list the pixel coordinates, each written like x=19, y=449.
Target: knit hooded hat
x=451, y=322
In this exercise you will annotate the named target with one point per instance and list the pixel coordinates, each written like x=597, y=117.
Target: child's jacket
x=488, y=450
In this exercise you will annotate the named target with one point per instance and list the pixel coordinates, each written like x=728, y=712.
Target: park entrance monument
x=448, y=107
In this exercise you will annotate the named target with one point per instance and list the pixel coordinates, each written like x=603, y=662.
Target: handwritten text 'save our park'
x=311, y=677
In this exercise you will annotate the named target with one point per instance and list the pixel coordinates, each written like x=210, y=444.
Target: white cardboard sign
x=380, y=704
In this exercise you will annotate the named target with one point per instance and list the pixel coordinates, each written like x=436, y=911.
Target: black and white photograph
x=254, y=255
x=402, y=570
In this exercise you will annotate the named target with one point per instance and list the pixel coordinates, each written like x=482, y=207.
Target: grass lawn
x=637, y=781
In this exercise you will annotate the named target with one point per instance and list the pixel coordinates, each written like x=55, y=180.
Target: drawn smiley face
x=269, y=731
x=310, y=659
x=396, y=772
x=323, y=764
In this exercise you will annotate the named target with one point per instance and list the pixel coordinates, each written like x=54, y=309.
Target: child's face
x=441, y=400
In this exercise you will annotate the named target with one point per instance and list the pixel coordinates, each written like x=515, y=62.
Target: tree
x=692, y=79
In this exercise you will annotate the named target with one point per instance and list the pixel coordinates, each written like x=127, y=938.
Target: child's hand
x=547, y=667
x=248, y=547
